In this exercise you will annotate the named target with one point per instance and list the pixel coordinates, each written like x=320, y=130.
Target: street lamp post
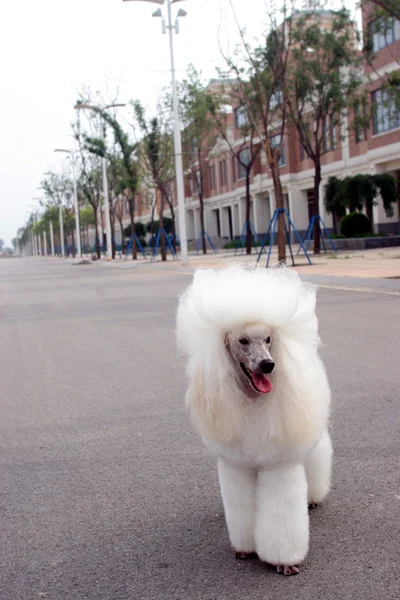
x=97, y=109
x=51, y=238
x=38, y=239
x=177, y=132
x=44, y=243
x=60, y=212
x=71, y=154
x=106, y=208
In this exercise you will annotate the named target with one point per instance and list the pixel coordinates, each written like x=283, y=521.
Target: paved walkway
x=377, y=263
x=376, y=268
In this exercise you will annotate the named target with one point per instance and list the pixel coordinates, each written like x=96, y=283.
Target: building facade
x=375, y=149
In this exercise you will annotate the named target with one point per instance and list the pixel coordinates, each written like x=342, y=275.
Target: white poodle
x=259, y=396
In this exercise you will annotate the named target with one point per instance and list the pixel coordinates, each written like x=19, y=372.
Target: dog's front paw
x=287, y=569
x=245, y=555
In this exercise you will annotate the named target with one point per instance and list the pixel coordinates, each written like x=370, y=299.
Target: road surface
x=107, y=493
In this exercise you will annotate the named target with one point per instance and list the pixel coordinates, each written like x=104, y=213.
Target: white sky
x=49, y=49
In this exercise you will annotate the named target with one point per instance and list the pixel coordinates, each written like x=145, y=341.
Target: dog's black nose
x=267, y=365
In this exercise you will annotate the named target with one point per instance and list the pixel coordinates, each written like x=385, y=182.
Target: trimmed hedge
x=354, y=224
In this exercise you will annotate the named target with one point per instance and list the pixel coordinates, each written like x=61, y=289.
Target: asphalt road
x=106, y=493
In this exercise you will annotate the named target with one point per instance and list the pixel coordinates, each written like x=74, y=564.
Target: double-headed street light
x=71, y=154
x=97, y=109
x=177, y=132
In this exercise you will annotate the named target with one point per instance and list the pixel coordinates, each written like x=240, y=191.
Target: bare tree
x=324, y=76
x=260, y=74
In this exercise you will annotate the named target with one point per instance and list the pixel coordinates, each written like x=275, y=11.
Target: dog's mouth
x=259, y=382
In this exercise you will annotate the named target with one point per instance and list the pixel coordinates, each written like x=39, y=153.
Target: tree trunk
x=96, y=232
x=73, y=244
x=173, y=227
x=121, y=229
x=334, y=222
x=317, y=181
x=161, y=226
x=279, y=204
x=248, y=198
x=202, y=226
x=133, y=229
x=112, y=224
x=201, y=202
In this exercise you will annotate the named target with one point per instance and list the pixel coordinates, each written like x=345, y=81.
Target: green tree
x=260, y=73
x=323, y=77
x=334, y=203
x=244, y=153
x=198, y=135
x=387, y=7
x=90, y=175
x=358, y=192
x=58, y=192
x=87, y=221
x=124, y=168
x=155, y=152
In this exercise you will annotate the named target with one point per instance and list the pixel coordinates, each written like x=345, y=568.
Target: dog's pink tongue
x=262, y=383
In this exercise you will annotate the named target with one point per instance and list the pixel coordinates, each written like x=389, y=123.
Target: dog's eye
x=243, y=341
x=268, y=340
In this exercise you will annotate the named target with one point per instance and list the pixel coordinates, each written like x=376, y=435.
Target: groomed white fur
x=275, y=453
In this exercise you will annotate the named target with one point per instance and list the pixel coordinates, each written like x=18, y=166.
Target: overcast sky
x=50, y=49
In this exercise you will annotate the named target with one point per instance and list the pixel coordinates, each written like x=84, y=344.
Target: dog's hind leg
x=318, y=467
x=238, y=491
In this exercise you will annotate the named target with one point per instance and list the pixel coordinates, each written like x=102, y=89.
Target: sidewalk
x=380, y=263
x=376, y=263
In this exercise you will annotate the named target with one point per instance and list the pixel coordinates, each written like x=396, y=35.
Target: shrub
x=354, y=224
x=140, y=230
x=238, y=244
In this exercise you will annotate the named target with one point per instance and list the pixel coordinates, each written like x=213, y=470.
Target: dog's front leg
x=281, y=524
x=238, y=491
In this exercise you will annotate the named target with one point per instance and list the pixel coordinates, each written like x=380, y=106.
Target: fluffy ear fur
x=220, y=300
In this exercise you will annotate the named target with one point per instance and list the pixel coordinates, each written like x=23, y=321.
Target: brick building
x=373, y=150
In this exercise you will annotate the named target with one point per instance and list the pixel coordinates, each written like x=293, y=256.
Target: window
x=275, y=143
x=196, y=182
x=386, y=113
x=360, y=128
x=241, y=117
x=222, y=172
x=276, y=99
x=329, y=129
x=211, y=174
x=244, y=159
x=384, y=32
x=233, y=168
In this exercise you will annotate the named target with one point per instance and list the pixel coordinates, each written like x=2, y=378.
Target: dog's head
x=250, y=350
